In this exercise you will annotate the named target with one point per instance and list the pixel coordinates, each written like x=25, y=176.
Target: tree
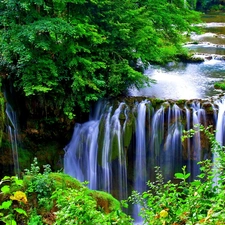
x=69, y=53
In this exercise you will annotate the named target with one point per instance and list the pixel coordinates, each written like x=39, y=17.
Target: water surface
x=192, y=80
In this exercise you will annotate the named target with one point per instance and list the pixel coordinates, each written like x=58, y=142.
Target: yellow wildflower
x=19, y=196
x=163, y=214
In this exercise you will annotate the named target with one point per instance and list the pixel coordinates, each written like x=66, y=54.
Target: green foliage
x=40, y=183
x=197, y=202
x=35, y=219
x=76, y=206
x=12, y=207
x=55, y=198
x=71, y=53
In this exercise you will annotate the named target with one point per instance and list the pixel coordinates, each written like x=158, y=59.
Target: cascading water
x=118, y=151
x=99, y=161
x=140, y=177
x=173, y=149
x=13, y=135
x=220, y=129
x=140, y=156
x=198, y=118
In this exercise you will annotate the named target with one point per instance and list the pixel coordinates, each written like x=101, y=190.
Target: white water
x=140, y=157
x=173, y=148
x=183, y=81
x=13, y=135
x=191, y=80
x=220, y=130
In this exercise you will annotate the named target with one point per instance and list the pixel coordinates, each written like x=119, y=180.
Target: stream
x=192, y=80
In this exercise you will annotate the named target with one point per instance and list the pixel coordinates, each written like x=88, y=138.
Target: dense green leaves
x=200, y=201
x=79, y=51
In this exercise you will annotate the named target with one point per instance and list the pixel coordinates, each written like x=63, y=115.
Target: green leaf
x=6, y=178
x=19, y=182
x=5, y=189
x=11, y=222
x=180, y=175
x=20, y=211
x=196, y=183
x=6, y=205
x=145, y=195
x=187, y=175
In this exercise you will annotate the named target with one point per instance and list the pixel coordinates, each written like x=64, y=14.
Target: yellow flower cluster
x=163, y=214
x=19, y=196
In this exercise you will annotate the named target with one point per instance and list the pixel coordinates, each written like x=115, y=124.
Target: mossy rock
x=105, y=201
x=156, y=102
x=101, y=136
x=61, y=180
x=220, y=85
x=129, y=129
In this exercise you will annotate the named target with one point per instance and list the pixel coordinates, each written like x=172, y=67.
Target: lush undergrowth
x=55, y=198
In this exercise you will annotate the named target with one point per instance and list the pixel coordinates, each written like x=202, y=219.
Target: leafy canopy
x=74, y=52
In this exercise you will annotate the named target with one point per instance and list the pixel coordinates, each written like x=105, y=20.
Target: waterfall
x=13, y=135
x=90, y=159
x=157, y=136
x=80, y=158
x=140, y=151
x=105, y=160
x=117, y=150
x=220, y=128
x=140, y=171
x=172, y=158
x=198, y=118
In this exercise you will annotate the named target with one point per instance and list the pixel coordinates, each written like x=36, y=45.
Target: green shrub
x=78, y=207
x=40, y=185
x=55, y=198
x=12, y=201
x=201, y=201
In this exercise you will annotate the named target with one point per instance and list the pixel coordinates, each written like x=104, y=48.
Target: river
x=192, y=80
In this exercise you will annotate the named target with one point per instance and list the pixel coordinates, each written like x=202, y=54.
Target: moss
x=61, y=180
x=101, y=136
x=181, y=102
x=25, y=158
x=129, y=129
x=2, y=116
x=47, y=152
x=105, y=201
x=65, y=181
x=114, y=147
x=156, y=102
x=220, y=85
x=191, y=58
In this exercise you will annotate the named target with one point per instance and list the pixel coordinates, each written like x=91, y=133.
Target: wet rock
x=208, y=57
